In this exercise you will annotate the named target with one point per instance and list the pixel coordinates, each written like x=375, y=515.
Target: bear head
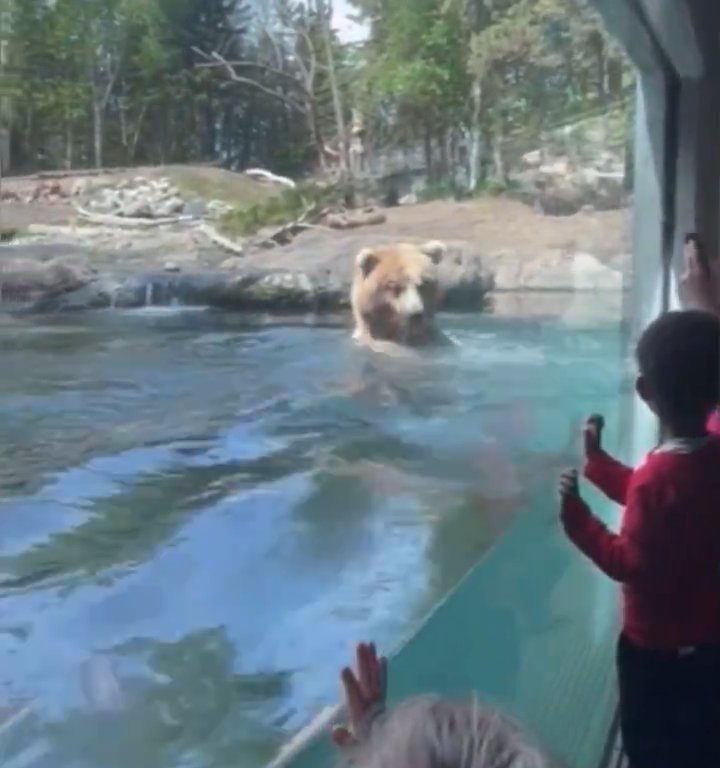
x=396, y=293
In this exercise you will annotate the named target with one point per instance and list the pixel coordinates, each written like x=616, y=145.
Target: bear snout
x=410, y=304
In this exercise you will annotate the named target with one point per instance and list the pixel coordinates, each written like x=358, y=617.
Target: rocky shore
x=496, y=246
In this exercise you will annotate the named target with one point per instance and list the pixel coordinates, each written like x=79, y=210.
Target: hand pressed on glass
x=699, y=280
x=571, y=503
x=592, y=435
x=365, y=692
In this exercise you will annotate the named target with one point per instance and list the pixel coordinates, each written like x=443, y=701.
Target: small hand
x=592, y=435
x=569, y=485
x=571, y=503
x=364, y=693
x=698, y=280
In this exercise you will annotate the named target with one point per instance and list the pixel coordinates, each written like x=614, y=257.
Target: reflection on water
x=200, y=513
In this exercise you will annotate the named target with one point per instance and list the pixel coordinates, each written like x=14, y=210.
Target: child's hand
x=365, y=692
x=700, y=278
x=569, y=486
x=571, y=503
x=592, y=435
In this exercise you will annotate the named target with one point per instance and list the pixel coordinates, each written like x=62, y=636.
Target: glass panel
x=208, y=493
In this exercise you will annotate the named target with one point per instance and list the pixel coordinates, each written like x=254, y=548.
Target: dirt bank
x=496, y=244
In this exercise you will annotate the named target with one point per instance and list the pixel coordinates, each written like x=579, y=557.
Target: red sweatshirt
x=667, y=554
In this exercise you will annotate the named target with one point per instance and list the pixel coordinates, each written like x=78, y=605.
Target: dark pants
x=670, y=707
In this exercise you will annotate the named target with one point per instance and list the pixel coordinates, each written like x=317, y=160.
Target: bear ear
x=435, y=250
x=366, y=261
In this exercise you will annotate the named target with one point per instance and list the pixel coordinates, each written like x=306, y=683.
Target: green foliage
x=442, y=189
x=417, y=68
x=120, y=82
x=501, y=70
x=289, y=206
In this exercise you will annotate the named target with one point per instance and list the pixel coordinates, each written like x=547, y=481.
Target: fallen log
x=214, y=236
x=107, y=219
x=259, y=174
x=348, y=221
x=284, y=234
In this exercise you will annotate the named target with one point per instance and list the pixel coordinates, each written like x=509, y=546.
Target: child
x=667, y=554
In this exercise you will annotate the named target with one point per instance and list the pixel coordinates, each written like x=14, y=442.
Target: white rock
x=139, y=209
x=589, y=274
x=411, y=199
x=532, y=159
x=171, y=207
x=231, y=264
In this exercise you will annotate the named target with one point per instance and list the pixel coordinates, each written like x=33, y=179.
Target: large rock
x=314, y=273
x=557, y=271
x=464, y=280
x=563, y=188
x=173, y=206
x=139, y=199
x=267, y=291
x=136, y=209
x=28, y=279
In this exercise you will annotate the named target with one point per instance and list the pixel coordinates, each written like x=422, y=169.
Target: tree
x=416, y=75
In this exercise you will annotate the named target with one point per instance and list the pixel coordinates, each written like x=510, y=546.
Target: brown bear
x=395, y=294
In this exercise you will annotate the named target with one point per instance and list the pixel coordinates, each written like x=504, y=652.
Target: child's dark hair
x=679, y=358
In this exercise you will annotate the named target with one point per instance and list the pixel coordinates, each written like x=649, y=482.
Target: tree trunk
x=498, y=156
x=322, y=11
x=122, y=117
x=429, y=166
x=69, y=142
x=444, y=156
x=137, y=132
x=475, y=137
x=314, y=126
x=98, y=133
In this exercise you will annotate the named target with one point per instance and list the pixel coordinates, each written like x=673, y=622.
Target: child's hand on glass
x=592, y=435
x=365, y=691
x=571, y=503
x=700, y=278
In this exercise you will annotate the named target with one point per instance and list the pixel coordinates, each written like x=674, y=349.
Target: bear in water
x=395, y=294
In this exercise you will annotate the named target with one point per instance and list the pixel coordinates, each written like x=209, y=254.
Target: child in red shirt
x=667, y=554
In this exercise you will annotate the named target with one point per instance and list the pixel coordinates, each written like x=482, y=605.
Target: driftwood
x=212, y=234
x=354, y=221
x=107, y=219
x=259, y=174
x=284, y=234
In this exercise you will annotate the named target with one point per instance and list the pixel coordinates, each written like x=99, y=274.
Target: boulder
x=563, y=187
x=173, y=206
x=409, y=199
x=27, y=279
x=137, y=209
x=232, y=264
x=556, y=270
x=464, y=282
x=532, y=159
x=590, y=274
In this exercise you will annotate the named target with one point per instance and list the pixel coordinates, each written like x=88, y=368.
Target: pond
x=201, y=512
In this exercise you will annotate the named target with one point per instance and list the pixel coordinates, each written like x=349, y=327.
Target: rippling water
x=201, y=512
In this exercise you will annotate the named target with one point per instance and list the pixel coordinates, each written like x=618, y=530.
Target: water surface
x=201, y=512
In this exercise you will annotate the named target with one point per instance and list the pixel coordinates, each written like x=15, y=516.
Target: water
x=200, y=513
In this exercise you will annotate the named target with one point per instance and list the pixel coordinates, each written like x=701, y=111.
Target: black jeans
x=669, y=706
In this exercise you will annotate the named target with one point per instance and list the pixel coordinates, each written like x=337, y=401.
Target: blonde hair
x=434, y=732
